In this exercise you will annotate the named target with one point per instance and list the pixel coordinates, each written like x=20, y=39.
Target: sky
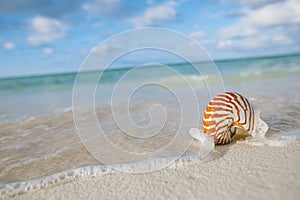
x=53, y=36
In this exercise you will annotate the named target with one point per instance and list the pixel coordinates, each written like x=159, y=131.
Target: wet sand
x=244, y=171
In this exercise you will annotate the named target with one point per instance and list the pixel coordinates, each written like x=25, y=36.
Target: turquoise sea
x=40, y=145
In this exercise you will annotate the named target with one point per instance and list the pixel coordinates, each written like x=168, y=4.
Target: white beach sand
x=243, y=172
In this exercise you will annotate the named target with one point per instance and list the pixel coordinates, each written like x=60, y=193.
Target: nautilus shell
x=227, y=112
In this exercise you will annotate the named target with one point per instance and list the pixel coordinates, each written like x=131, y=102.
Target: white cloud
x=237, y=32
x=276, y=14
x=48, y=50
x=197, y=35
x=260, y=41
x=9, y=45
x=255, y=42
x=156, y=15
x=223, y=44
x=279, y=13
x=45, y=30
x=272, y=24
x=282, y=39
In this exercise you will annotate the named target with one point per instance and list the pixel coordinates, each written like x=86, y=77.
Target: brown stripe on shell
x=230, y=107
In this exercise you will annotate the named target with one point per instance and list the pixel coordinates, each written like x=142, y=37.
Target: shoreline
x=260, y=172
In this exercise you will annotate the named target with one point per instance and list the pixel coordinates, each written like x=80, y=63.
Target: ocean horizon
x=127, y=67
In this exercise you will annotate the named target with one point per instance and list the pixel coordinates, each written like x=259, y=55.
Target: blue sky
x=39, y=36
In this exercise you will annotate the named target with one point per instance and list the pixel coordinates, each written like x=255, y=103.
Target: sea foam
x=206, y=153
x=278, y=140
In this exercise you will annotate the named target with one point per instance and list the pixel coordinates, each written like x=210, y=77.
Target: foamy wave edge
x=278, y=140
x=22, y=187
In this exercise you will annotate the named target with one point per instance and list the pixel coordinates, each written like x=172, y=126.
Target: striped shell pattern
x=225, y=113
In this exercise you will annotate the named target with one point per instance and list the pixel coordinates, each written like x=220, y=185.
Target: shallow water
x=39, y=138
